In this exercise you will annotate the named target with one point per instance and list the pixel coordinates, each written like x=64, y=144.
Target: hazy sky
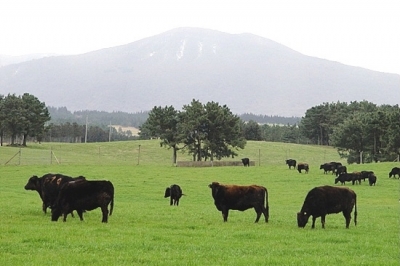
x=355, y=32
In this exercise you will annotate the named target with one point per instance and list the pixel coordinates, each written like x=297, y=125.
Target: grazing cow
x=395, y=171
x=175, y=193
x=246, y=161
x=349, y=177
x=241, y=198
x=327, y=167
x=291, y=163
x=324, y=200
x=302, y=166
x=335, y=167
x=83, y=196
x=366, y=174
x=341, y=169
x=48, y=187
x=372, y=179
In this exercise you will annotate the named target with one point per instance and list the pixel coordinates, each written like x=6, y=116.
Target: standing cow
x=302, y=166
x=83, y=196
x=241, y=198
x=372, y=179
x=175, y=193
x=395, y=171
x=48, y=187
x=324, y=200
x=291, y=163
x=246, y=161
x=328, y=167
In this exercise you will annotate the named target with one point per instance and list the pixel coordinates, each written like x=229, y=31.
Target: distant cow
x=241, y=198
x=328, y=167
x=246, y=161
x=302, y=166
x=354, y=178
x=372, y=179
x=175, y=193
x=335, y=166
x=395, y=171
x=341, y=169
x=291, y=163
x=366, y=174
x=324, y=200
x=48, y=187
x=83, y=196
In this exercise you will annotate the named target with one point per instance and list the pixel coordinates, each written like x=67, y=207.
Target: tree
x=162, y=123
x=13, y=114
x=35, y=115
x=252, y=131
x=210, y=131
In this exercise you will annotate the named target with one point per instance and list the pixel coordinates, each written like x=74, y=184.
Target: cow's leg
x=225, y=214
x=44, y=207
x=171, y=201
x=65, y=213
x=323, y=221
x=105, y=213
x=347, y=216
x=177, y=202
x=258, y=211
x=313, y=222
x=80, y=214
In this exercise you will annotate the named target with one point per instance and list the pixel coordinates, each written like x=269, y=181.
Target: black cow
x=372, y=179
x=175, y=193
x=366, y=174
x=324, y=200
x=349, y=177
x=395, y=171
x=335, y=167
x=246, y=161
x=341, y=169
x=241, y=198
x=48, y=187
x=291, y=163
x=302, y=166
x=328, y=167
x=83, y=195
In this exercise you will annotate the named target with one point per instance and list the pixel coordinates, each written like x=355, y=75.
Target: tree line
x=361, y=131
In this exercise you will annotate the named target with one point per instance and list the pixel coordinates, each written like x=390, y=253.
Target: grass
x=145, y=230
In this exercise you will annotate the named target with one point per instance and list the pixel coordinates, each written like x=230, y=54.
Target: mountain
x=248, y=73
x=8, y=60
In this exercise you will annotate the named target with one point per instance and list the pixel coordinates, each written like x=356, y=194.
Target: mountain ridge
x=246, y=72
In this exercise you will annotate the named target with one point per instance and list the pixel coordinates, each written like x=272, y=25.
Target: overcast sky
x=361, y=33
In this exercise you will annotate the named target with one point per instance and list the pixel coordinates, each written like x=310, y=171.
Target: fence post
x=138, y=157
x=19, y=157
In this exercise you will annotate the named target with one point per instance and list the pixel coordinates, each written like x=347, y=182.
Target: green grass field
x=145, y=230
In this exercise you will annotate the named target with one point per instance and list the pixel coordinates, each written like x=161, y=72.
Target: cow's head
x=167, y=192
x=302, y=219
x=55, y=213
x=33, y=183
x=215, y=186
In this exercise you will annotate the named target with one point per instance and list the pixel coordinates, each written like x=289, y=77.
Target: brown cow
x=241, y=198
x=324, y=200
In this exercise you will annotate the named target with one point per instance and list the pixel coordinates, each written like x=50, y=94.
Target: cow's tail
x=266, y=203
x=112, y=204
x=355, y=209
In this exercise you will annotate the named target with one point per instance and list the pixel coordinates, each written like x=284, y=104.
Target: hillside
x=248, y=73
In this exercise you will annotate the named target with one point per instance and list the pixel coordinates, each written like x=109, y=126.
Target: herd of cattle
x=64, y=194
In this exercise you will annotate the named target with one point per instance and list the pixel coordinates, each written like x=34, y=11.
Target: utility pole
x=109, y=133
x=86, y=129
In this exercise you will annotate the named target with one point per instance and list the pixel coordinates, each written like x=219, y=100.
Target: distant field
x=135, y=131
x=145, y=230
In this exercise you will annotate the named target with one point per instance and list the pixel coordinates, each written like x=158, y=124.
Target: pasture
x=145, y=230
